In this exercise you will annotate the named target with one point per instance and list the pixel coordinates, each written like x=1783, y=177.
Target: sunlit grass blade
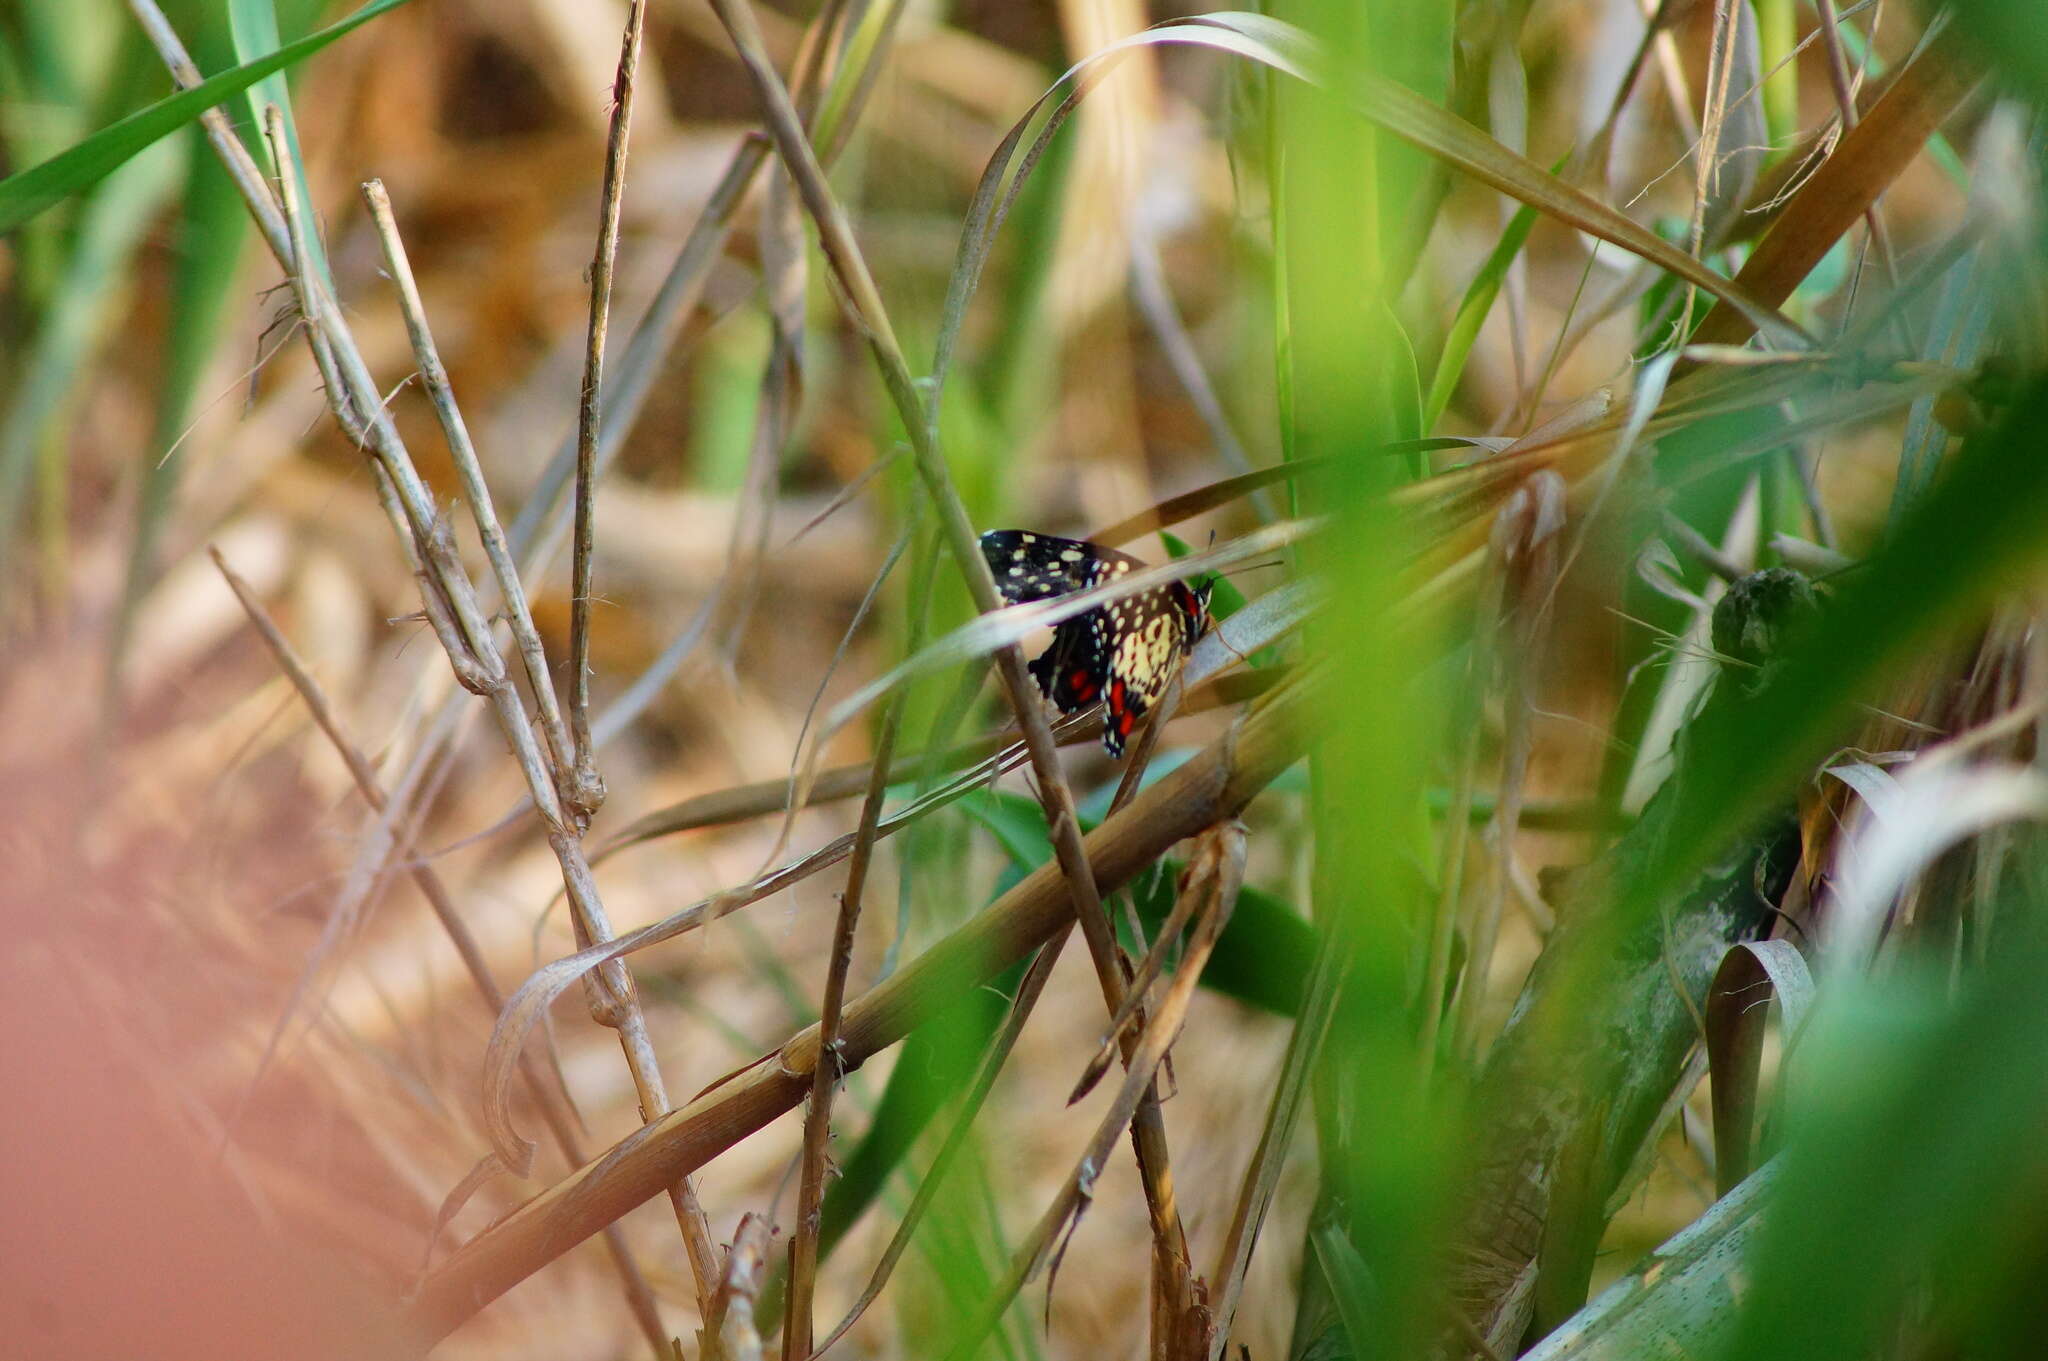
x=115, y=220
x=24, y=195
x=211, y=231
x=1472, y=313
x=253, y=25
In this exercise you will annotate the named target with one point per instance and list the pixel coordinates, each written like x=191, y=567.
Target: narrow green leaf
x=211, y=231
x=24, y=195
x=1350, y=1286
x=114, y=222
x=1472, y=312
x=253, y=26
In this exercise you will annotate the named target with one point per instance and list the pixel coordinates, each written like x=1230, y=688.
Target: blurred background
x=193, y=878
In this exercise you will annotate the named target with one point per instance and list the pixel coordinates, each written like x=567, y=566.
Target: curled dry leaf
x=1751, y=976
x=1901, y=824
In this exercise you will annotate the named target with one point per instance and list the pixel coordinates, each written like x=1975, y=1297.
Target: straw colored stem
x=803, y=1245
x=434, y=378
x=639, y=1298
x=358, y=406
x=867, y=312
x=1029, y=990
x=585, y=785
x=1844, y=89
x=1213, y=785
x=1213, y=881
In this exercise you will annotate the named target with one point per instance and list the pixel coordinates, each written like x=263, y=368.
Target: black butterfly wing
x=1030, y=566
x=1069, y=672
x=1121, y=654
x=1144, y=640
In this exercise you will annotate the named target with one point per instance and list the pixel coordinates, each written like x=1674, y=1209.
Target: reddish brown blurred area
x=127, y=1233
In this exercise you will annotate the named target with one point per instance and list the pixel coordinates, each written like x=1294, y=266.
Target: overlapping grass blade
x=32, y=191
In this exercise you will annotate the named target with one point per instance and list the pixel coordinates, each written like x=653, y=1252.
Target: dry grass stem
x=868, y=314
x=561, y=1122
x=1213, y=785
x=434, y=379
x=585, y=788
x=803, y=1247
x=1475, y=449
x=1029, y=989
x=1214, y=874
x=358, y=407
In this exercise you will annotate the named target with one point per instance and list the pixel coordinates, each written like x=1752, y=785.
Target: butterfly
x=1120, y=655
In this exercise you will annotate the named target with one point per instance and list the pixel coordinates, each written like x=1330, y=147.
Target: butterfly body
x=1120, y=655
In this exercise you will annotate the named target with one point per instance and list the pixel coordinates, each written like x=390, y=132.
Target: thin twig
x=1131, y=1015
x=1720, y=66
x=639, y=1298
x=1029, y=989
x=864, y=305
x=803, y=1244
x=1840, y=82
x=537, y=529
x=1214, y=873
x=1216, y=783
x=358, y=407
x=434, y=380
x=585, y=787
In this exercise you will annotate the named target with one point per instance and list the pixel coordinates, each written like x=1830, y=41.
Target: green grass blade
x=32, y=191
x=212, y=227
x=253, y=26
x=113, y=225
x=1472, y=312
x=1914, y=1170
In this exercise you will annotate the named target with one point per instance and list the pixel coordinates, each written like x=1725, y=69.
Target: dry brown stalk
x=583, y=788
x=803, y=1244
x=1864, y=163
x=610, y=994
x=560, y=1121
x=1029, y=989
x=1213, y=785
x=469, y=468
x=448, y=594
x=1707, y=152
x=1845, y=107
x=1209, y=886
x=866, y=311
